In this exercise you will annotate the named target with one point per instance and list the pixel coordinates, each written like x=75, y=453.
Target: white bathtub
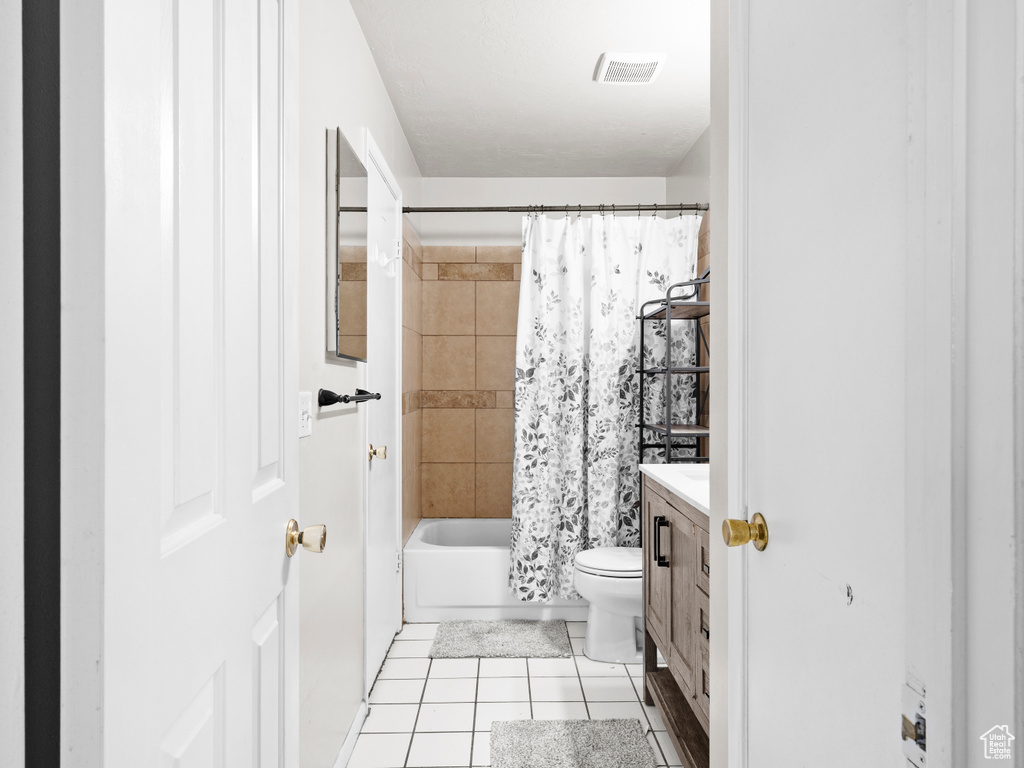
x=458, y=569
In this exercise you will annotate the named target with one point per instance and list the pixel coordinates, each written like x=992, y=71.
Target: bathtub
x=458, y=569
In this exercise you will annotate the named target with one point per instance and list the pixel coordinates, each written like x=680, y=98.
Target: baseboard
x=353, y=733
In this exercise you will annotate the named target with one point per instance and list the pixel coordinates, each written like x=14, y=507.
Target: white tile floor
x=438, y=712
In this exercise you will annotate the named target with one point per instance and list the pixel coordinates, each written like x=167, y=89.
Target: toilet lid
x=622, y=562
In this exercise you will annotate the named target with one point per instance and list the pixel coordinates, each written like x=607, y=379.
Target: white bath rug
x=570, y=744
x=505, y=639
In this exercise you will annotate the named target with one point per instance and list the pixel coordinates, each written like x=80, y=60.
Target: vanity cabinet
x=677, y=577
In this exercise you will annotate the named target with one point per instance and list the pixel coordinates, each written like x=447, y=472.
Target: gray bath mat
x=506, y=639
x=570, y=744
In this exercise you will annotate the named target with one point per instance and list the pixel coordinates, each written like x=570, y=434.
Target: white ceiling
x=506, y=87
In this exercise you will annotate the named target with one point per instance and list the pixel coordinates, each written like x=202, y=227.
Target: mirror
x=346, y=250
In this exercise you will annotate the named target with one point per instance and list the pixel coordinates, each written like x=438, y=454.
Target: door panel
x=194, y=248
x=268, y=671
x=270, y=413
x=196, y=738
x=825, y=449
x=202, y=473
x=383, y=417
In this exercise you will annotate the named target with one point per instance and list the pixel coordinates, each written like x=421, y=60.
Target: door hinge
x=398, y=563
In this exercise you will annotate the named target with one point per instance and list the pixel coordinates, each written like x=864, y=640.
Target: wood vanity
x=677, y=576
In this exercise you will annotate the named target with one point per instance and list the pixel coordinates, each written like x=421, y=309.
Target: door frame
x=375, y=163
x=1018, y=360
x=12, y=419
x=936, y=376
x=734, y=688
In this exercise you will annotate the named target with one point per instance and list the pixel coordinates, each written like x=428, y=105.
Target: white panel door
x=383, y=417
x=817, y=399
x=200, y=621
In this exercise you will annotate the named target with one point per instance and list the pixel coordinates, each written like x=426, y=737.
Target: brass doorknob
x=381, y=452
x=739, y=532
x=313, y=539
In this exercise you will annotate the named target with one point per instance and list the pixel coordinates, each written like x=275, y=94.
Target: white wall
x=12, y=508
x=690, y=181
x=506, y=228
x=340, y=86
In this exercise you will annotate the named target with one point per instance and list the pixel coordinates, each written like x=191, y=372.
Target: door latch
x=913, y=728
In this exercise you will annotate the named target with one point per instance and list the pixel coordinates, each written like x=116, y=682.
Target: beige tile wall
x=460, y=314
x=412, y=383
x=470, y=302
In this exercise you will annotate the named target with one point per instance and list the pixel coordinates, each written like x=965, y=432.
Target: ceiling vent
x=629, y=68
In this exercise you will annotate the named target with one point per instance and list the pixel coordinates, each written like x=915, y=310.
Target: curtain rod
x=545, y=208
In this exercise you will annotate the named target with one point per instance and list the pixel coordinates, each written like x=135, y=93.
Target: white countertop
x=690, y=482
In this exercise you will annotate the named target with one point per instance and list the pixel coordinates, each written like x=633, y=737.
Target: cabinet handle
x=706, y=568
x=659, y=521
x=706, y=633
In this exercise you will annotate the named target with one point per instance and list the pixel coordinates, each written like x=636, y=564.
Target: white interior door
x=201, y=602
x=817, y=356
x=383, y=417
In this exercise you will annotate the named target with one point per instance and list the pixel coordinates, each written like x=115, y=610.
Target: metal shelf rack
x=683, y=301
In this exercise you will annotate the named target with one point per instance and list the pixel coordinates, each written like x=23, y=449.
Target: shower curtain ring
x=566, y=210
x=613, y=210
x=579, y=212
x=654, y=215
x=638, y=206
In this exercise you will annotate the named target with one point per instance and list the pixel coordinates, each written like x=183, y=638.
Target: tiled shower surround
x=457, y=423
x=412, y=365
x=460, y=312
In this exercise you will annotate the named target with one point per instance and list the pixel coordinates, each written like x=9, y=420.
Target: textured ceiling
x=506, y=87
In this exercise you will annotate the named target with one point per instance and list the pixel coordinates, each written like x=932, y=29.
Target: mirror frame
x=333, y=151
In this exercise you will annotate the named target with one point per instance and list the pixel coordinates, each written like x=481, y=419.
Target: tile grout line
x=476, y=696
x=639, y=696
x=579, y=677
x=650, y=725
x=419, y=708
x=529, y=685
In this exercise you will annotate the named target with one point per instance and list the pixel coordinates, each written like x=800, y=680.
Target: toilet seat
x=614, y=562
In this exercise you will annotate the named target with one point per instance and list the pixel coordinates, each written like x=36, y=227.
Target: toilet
x=611, y=578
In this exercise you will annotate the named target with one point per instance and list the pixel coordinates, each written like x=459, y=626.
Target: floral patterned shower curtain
x=575, y=480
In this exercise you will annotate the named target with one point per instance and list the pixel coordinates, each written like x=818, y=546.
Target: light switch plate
x=305, y=414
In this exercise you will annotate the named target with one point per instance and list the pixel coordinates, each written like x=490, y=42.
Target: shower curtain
x=575, y=479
